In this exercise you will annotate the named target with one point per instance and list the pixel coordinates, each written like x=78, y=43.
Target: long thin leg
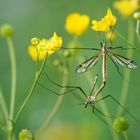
x=120, y=105
x=95, y=81
x=56, y=92
x=82, y=49
x=95, y=109
x=75, y=87
x=120, y=47
x=72, y=88
x=101, y=88
x=107, y=124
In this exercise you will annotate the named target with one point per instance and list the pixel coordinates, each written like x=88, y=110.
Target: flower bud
x=67, y=53
x=25, y=135
x=57, y=63
x=136, y=15
x=6, y=30
x=120, y=124
x=35, y=41
x=110, y=36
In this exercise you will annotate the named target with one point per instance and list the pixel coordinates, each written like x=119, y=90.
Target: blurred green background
x=40, y=18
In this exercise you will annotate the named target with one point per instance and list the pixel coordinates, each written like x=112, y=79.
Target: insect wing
x=125, y=62
x=86, y=65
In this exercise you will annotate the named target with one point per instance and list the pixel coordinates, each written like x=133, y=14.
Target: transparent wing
x=88, y=64
x=125, y=62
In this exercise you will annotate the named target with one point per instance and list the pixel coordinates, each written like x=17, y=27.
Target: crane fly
x=90, y=100
x=104, y=52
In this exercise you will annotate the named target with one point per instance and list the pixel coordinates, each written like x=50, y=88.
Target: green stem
x=37, y=61
x=125, y=135
x=55, y=109
x=13, y=77
x=138, y=30
x=103, y=106
x=3, y=106
x=31, y=91
x=13, y=85
x=125, y=40
x=125, y=84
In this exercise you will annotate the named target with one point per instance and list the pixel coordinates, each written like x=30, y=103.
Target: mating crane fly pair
x=104, y=51
x=90, y=99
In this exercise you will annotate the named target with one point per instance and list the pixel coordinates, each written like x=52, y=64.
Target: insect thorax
x=104, y=48
x=90, y=99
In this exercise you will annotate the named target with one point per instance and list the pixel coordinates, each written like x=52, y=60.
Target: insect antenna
x=110, y=96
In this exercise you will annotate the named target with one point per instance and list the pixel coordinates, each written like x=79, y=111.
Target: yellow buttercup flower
x=33, y=52
x=39, y=48
x=77, y=24
x=36, y=49
x=105, y=23
x=126, y=7
x=101, y=26
x=54, y=43
x=109, y=16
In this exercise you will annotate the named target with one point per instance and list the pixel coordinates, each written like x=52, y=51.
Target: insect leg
x=120, y=47
x=96, y=49
x=69, y=87
x=107, y=124
x=110, y=96
x=56, y=92
x=95, y=81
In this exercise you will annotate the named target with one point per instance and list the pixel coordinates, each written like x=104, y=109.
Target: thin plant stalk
x=2, y=125
x=127, y=73
x=138, y=30
x=55, y=109
x=125, y=135
x=125, y=40
x=31, y=90
x=13, y=76
x=3, y=106
x=13, y=87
